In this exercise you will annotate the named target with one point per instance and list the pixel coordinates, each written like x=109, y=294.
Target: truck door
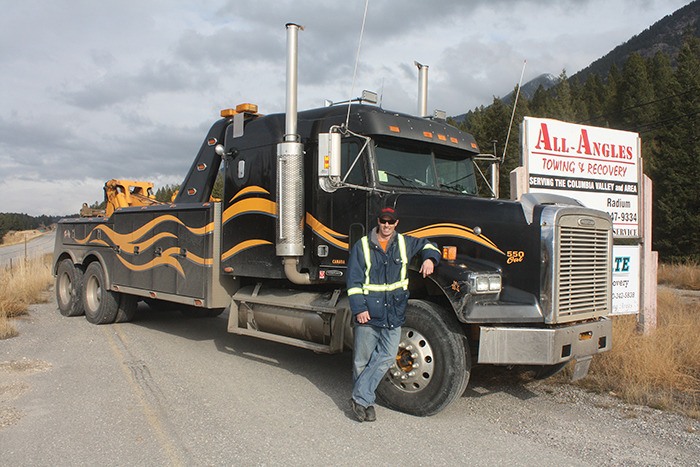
x=340, y=216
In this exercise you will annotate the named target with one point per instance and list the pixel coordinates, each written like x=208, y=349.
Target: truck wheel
x=69, y=284
x=100, y=304
x=432, y=365
x=127, y=308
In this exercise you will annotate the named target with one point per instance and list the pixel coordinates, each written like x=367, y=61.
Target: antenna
x=357, y=61
x=512, y=116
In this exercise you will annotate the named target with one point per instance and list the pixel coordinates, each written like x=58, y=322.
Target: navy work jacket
x=383, y=290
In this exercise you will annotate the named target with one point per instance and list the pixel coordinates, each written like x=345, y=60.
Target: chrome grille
x=583, y=282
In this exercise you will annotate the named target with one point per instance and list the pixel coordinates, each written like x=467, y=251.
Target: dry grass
x=680, y=275
x=661, y=370
x=24, y=284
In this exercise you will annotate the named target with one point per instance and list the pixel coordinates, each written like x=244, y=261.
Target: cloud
x=128, y=89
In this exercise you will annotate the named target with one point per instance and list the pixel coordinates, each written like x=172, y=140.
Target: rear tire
x=432, y=365
x=127, y=308
x=69, y=285
x=101, y=304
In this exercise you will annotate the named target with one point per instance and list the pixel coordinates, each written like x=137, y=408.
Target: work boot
x=370, y=414
x=358, y=410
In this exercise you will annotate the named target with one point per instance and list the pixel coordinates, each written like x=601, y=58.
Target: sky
x=95, y=90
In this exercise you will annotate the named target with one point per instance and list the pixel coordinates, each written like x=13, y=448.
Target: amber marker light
x=249, y=108
x=427, y=134
x=442, y=137
x=395, y=129
x=454, y=140
x=449, y=253
x=226, y=113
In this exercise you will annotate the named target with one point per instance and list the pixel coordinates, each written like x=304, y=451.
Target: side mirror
x=328, y=160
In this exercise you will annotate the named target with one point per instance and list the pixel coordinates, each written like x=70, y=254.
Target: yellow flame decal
x=249, y=206
x=243, y=246
x=130, y=247
x=198, y=260
x=166, y=259
x=119, y=239
x=453, y=230
x=250, y=189
x=326, y=233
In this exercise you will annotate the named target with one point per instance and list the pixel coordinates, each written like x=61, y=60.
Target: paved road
x=35, y=247
x=165, y=390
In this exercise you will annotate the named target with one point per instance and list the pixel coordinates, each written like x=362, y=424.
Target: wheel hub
x=413, y=368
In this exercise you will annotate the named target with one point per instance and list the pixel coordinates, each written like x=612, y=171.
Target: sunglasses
x=387, y=221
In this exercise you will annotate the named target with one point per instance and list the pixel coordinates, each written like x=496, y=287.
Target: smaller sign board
x=625, y=279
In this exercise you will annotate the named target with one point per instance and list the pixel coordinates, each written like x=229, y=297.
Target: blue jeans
x=373, y=354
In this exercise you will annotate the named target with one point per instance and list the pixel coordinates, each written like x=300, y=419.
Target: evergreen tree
x=561, y=107
x=593, y=95
x=676, y=168
x=635, y=94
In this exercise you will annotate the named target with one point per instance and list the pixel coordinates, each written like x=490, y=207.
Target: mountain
x=546, y=80
x=666, y=35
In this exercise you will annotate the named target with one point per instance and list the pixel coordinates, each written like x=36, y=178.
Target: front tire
x=101, y=304
x=69, y=287
x=432, y=365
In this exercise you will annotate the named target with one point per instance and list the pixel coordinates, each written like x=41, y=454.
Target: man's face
x=387, y=226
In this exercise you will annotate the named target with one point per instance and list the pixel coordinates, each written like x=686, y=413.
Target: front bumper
x=503, y=345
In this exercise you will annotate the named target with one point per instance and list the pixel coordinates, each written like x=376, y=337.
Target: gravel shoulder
x=167, y=390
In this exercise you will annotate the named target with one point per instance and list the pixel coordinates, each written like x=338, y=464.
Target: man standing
x=377, y=284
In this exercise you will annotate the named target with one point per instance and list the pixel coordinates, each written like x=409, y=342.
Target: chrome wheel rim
x=413, y=368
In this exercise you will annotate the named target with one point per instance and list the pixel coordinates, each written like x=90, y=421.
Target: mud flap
x=581, y=367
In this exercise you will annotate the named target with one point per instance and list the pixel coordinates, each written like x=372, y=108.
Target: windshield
x=424, y=167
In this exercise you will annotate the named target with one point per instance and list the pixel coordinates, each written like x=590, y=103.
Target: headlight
x=485, y=283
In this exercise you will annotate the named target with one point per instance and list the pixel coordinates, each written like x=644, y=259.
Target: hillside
x=666, y=35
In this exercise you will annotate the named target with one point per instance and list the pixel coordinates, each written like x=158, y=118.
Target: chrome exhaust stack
x=290, y=174
x=422, y=89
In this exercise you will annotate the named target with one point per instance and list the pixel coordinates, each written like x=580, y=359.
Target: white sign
x=597, y=166
x=625, y=280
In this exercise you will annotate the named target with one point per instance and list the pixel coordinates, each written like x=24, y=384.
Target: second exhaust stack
x=422, y=89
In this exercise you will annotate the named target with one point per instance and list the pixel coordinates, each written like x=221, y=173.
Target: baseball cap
x=387, y=213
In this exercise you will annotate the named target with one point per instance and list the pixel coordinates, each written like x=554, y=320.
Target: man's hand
x=363, y=317
x=427, y=267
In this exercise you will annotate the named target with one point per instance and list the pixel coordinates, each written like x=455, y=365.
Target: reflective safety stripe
x=368, y=257
x=404, y=259
x=430, y=246
x=355, y=291
x=367, y=287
